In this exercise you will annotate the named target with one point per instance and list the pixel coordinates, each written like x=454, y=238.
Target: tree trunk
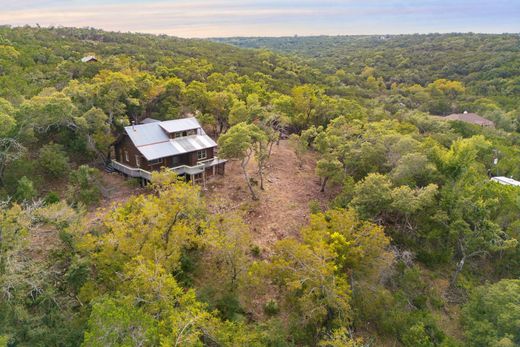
x=261, y=174
x=248, y=181
x=323, y=184
x=458, y=269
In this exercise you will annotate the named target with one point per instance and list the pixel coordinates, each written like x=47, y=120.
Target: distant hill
x=488, y=64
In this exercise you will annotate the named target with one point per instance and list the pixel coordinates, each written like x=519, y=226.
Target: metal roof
x=149, y=120
x=175, y=125
x=176, y=146
x=470, y=118
x=506, y=180
x=146, y=134
x=153, y=141
x=88, y=58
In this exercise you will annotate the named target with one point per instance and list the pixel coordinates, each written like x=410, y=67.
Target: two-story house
x=179, y=144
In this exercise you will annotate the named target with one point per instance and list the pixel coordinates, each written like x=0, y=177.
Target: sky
x=224, y=18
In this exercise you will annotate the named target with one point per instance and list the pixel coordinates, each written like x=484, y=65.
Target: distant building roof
x=153, y=141
x=149, y=120
x=88, y=58
x=506, y=180
x=472, y=118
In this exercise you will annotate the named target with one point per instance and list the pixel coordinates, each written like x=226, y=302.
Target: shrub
x=53, y=160
x=314, y=206
x=84, y=186
x=491, y=316
x=255, y=250
x=51, y=198
x=271, y=307
x=25, y=190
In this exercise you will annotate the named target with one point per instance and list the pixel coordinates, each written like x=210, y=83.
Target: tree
x=372, y=195
x=53, y=160
x=223, y=269
x=330, y=169
x=491, y=316
x=241, y=142
x=299, y=147
x=119, y=323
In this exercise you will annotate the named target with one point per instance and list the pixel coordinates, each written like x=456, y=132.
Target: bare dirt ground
x=283, y=207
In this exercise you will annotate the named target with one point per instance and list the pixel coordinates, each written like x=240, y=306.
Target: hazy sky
x=214, y=18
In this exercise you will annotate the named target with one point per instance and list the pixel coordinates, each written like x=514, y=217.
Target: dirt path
x=283, y=207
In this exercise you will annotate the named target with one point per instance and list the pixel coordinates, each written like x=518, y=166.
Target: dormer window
x=178, y=134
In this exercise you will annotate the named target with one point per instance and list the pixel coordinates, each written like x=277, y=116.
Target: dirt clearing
x=283, y=207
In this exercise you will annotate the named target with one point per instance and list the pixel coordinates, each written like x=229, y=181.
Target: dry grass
x=283, y=207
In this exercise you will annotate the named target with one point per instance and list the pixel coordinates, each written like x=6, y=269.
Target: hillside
x=351, y=213
x=488, y=65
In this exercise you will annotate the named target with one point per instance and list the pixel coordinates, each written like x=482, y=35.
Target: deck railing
x=180, y=170
x=131, y=171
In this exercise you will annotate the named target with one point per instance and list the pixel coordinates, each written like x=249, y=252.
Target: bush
x=271, y=307
x=255, y=250
x=491, y=316
x=84, y=186
x=53, y=160
x=25, y=190
x=51, y=198
x=314, y=206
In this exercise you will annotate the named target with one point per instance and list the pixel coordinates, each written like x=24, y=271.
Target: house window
x=127, y=158
x=137, y=161
x=202, y=154
x=155, y=161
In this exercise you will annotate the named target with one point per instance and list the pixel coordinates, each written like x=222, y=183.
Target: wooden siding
x=125, y=144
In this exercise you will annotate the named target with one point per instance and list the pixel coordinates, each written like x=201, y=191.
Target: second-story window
x=155, y=161
x=202, y=154
x=137, y=161
x=127, y=158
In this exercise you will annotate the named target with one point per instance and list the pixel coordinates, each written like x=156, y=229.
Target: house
x=88, y=59
x=506, y=180
x=179, y=144
x=472, y=118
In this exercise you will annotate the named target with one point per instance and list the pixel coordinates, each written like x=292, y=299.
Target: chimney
x=133, y=125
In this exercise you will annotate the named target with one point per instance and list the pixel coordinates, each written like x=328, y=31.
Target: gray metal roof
x=176, y=146
x=175, y=125
x=506, y=181
x=149, y=120
x=88, y=58
x=153, y=141
x=146, y=134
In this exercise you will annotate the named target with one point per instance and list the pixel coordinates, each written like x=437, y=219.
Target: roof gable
x=470, y=118
x=183, y=124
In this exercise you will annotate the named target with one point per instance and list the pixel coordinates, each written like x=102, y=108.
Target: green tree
x=242, y=142
x=53, y=160
x=491, y=316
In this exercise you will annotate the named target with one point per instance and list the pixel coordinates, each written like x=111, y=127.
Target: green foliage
x=492, y=314
x=84, y=185
x=159, y=269
x=25, y=190
x=53, y=160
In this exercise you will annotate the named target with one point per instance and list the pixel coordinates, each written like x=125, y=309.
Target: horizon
x=227, y=19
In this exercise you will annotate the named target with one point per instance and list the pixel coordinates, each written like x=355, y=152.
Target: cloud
x=203, y=18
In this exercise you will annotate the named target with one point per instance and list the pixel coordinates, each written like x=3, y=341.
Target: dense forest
x=417, y=247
